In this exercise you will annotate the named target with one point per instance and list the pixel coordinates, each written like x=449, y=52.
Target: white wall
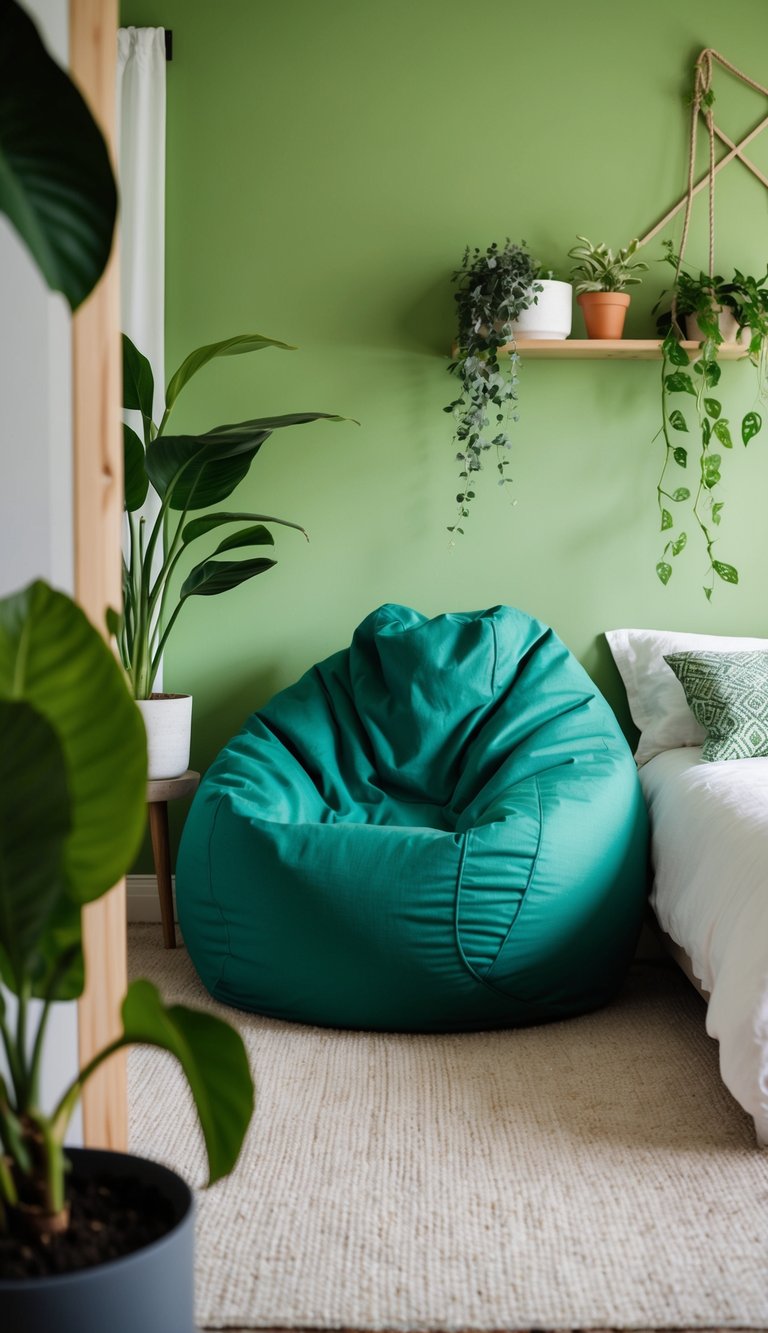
x=36, y=515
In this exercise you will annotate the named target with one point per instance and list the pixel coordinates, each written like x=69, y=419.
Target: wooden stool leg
x=161, y=851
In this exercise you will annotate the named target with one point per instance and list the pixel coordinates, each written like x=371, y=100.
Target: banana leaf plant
x=189, y=473
x=72, y=793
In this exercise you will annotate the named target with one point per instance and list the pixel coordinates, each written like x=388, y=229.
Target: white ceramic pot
x=552, y=314
x=168, y=720
x=727, y=324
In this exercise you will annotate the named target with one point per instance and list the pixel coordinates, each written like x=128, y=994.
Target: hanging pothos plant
x=705, y=298
x=495, y=287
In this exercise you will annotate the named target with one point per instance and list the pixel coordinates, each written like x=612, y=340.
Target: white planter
x=168, y=720
x=727, y=324
x=551, y=316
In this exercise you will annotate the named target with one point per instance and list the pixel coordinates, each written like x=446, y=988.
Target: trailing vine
x=495, y=287
x=696, y=379
x=705, y=296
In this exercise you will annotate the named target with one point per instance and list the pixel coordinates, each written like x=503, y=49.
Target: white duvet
x=709, y=826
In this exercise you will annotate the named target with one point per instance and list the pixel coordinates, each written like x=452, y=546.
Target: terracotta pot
x=604, y=313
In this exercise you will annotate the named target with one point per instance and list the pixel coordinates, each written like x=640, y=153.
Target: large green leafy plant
x=189, y=473
x=685, y=378
x=56, y=183
x=72, y=743
x=72, y=793
x=494, y=288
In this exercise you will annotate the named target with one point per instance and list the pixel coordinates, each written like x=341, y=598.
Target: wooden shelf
x=616, y=349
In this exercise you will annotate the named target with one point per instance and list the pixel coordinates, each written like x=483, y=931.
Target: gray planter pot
x=149, y=1291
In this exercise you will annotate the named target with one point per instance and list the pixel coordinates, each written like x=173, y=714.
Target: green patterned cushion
x=728, y=695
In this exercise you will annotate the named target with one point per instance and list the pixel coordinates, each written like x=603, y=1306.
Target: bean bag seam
x=214, y=899
x=529, y=882
x=484, y=981
x=495, y=657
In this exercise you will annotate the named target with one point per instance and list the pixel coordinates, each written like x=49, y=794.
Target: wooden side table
x=159, y=793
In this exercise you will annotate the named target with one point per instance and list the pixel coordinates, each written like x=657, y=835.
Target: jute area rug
x=587, y=1174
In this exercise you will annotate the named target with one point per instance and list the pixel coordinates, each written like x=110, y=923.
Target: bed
x=709, y=830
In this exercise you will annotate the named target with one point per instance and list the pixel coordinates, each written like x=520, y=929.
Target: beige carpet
x=587, y=1174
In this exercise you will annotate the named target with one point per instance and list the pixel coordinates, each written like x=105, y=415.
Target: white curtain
x=141, y=169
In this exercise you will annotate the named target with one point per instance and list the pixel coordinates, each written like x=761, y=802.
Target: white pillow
x=656, y=698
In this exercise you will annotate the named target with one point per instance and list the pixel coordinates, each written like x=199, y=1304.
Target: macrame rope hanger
x=701, y=105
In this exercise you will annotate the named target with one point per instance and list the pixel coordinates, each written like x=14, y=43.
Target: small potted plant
x=601, y=278
x=189, y=473
x=710, y=310
x=700, y=305
x=708, y=306
x=496, y=288
x=88, y=1239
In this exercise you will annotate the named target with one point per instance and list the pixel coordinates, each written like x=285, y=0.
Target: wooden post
x=98, y=488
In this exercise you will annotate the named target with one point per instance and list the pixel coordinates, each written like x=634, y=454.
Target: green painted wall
x=327, y=163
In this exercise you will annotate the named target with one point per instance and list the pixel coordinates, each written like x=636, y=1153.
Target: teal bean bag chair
x=439, y=828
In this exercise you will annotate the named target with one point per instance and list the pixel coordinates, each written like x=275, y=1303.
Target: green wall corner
x=327, y=164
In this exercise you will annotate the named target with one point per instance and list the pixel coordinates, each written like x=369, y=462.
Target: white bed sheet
x=709, y=824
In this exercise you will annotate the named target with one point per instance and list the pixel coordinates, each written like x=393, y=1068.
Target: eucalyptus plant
x=495, y=287
x=702, y=295
x=600, y=270
x=189, y=473
x=73, y=772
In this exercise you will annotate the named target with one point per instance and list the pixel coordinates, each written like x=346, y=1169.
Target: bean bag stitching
x=531, y=877
x=495, y=657
x=214, y=899
x=477, y=976
x=489, y=985
x=534, y=863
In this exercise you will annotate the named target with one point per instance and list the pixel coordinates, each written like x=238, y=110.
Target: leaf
x=195, y=471
x=712, y=408
x=113, y=621
x=211, y=576
x=52, y=658
x=138, y=384
x=723, y=434
x=679, y=382
x=33, y=779
x=710, y=470
x=674, y=351
x=716, y=511
x=677, y=420
x=750, y=426
x=257, y=535
x=199, y=526
x=682, y=493
x=213, y=1058
x=679, y=545
x=202, y=470
x=708, y=594
x=56, y=182
x=666, y=520
x=664, y=572
x=135, y=479
x=728, y=573
x=242, y=342
x=712, y=373
x=680, y=456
